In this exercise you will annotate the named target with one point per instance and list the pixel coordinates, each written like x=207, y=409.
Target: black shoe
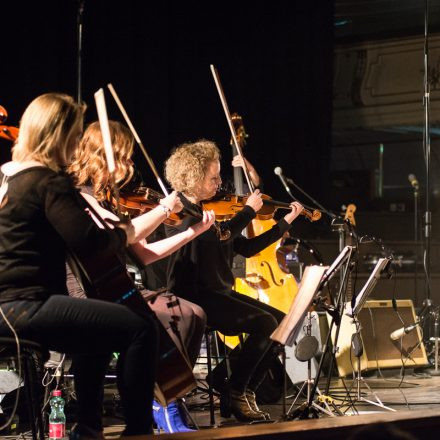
x=236, y=403
x=83, y=432
x=251, y=398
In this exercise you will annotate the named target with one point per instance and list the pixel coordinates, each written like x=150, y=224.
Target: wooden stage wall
x=422, y=424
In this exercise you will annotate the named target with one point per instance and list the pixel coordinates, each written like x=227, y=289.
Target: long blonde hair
x=89, y=164
x=185, y=169
x=46, y=128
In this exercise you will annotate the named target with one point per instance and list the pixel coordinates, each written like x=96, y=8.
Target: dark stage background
x=274, y=60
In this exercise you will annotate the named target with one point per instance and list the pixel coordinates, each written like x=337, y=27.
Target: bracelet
x=166, y=210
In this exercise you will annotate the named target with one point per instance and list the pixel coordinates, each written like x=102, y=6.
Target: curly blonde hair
x=89, y=164
x=46, y=128
x=185, y=169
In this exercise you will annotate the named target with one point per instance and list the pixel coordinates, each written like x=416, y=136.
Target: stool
x=209, y=334
x=32, y=359
x=209, y=376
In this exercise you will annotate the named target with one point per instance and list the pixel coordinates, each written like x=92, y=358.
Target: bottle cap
x=56, y=393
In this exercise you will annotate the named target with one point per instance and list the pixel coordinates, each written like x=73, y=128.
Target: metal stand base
x=359, y=380
x=323, y=404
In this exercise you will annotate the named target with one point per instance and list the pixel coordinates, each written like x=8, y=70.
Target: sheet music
x=368, y=287
x=290, y=326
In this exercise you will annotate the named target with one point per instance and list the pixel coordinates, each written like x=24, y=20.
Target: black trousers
x=234, y=314
x=90, y=330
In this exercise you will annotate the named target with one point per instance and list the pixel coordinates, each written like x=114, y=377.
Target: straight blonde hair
x=45, y=130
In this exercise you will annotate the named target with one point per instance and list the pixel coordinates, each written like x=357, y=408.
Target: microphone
x=413, y=181
x=279, y=172
x=397, y=334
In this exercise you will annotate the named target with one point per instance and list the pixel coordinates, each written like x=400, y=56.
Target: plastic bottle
x=57, y=419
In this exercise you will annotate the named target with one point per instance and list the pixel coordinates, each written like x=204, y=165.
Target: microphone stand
x=316, y=203
x=416, y=240
x=427, y=154
x=340, y=225
x=79, y=30
x=436, y=371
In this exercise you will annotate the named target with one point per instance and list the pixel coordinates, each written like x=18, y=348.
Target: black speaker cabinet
x=378, y=320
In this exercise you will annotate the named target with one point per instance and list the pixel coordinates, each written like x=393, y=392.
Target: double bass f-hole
x=269, y=267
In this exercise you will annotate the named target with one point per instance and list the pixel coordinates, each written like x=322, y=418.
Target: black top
x=41, y=216
x=204, y=264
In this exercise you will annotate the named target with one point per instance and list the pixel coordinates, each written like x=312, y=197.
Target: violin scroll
x=313, y=216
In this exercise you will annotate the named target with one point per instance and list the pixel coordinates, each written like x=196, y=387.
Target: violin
x=226, y=206
x=7, y=132
x=141, y=200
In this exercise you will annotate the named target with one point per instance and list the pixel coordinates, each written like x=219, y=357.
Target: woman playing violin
x=90, y=171
x=41, y=217
x=200, y=272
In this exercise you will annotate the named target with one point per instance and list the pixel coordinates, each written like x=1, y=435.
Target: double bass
x=264, y=279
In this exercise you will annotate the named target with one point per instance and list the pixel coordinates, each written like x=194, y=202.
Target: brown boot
x=251, y=398
x=241, y=410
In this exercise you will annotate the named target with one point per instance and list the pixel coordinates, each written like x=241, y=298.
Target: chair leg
x=34, y=407
x=38, y=403
x=210, y=389
x=28, y=385
x=185, y=409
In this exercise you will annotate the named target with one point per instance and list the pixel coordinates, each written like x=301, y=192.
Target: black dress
x=201, y=272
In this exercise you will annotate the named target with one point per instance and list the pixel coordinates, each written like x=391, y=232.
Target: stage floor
x=415, y=401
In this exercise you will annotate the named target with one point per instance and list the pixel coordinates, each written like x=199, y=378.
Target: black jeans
x=236, y=313
x=90, y=330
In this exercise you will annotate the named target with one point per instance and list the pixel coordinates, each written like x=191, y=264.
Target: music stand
x=287, y=331
x=314, y=280
x=356, y=341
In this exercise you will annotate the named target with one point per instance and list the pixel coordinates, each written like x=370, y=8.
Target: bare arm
x=150, y=252
x=146, y=223
x=143, y=225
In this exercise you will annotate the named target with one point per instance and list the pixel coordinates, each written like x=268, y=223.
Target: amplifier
x=378, y=320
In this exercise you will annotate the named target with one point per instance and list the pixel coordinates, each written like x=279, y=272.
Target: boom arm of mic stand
x=317, y=204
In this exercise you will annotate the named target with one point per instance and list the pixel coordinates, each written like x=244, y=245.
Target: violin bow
x=141, y=146
x=230, y=123
x=107, y=140
x=137, y=138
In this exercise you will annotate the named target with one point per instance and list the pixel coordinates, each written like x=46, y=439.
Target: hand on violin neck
x=172, y=202
x=296, y=209
x=255, y=200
